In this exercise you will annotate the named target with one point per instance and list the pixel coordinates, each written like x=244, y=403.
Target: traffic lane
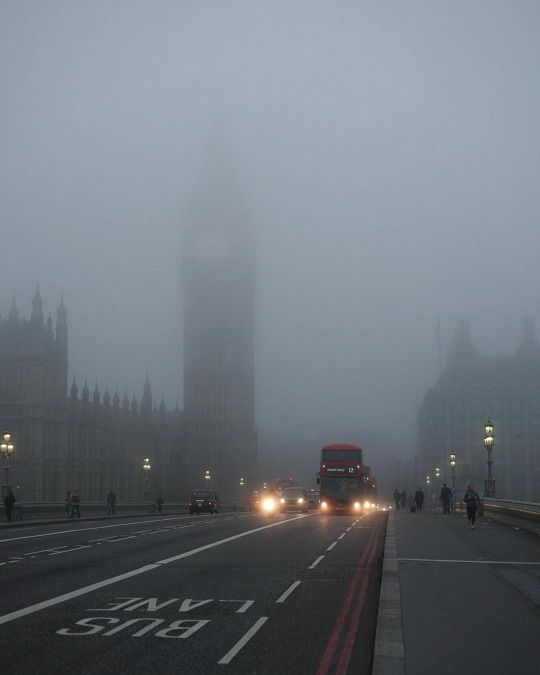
x=86, y=561
x=223, y=599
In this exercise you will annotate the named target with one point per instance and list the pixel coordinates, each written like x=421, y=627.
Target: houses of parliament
x=70, y=436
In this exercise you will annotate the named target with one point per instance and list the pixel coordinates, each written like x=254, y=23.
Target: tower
x=33, y=389
x=218, y=268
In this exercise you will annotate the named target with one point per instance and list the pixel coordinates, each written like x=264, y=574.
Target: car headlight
x=268, y=504
x=356, y=505
x=324, y=505
x=300, y=500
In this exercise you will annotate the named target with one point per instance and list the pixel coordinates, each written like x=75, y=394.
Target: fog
x=388, y=153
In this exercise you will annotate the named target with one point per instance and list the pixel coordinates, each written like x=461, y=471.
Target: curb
x=389, y=651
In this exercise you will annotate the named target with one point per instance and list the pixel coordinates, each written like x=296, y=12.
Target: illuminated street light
x=453, y=467
x=242, y=481
x=489, y=442
x=7, y=448
x=146, y=467
x=207, y=475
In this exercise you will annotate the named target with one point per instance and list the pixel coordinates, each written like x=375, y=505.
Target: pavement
x=458, y=600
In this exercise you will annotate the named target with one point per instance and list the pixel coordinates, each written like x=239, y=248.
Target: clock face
x=211, y=248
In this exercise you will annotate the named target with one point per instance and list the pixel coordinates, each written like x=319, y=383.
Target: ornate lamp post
x=453, y=467
x=489, y=442
x=242, y=481
x=146, y=468
x=7, y=448
x=207, y=475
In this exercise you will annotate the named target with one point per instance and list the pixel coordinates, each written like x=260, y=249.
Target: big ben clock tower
x=218, y=271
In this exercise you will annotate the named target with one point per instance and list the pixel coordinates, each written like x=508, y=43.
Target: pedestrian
x=75, y=505
x=111, y=503
x=446, y=498
x=159, y=503
x=397, y=497
x=403, y=498
x=9, y=500
x=419, y=499
x=472, y=501
x=68, y=503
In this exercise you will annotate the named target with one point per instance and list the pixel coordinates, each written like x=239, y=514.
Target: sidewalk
x=456, y=600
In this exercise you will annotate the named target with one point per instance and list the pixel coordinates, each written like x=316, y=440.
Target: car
x=294, y=499
x=313, y=498
x=203, y=501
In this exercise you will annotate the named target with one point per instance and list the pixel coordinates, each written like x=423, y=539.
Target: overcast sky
x=389, y=152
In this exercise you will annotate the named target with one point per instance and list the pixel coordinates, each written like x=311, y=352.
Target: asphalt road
x=228, y=593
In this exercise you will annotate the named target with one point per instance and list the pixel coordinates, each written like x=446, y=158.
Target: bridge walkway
x=458, y=600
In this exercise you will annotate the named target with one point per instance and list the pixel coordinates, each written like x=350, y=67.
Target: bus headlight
x=324, y=505
x=367, y=505
x=300, y=500
x=356, y=505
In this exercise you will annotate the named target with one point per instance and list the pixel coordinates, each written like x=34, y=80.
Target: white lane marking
x=315, y=562
x=478, y=562
x=229, y=656
x=349, y=529
x=291, y=588
x=341, y=535
x=45, y=550
x=69, y=550
x=246, y=604
x=31, y=609
x=86, y=529
x=334, y=543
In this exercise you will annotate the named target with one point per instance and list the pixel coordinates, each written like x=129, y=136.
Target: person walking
x=159, y=503
x=472, y=501
x=446, y=498
x=9, y=500
x=68, y=504
x=403, y=498
x=75, y=505
x=419, y=499
x=111, y=503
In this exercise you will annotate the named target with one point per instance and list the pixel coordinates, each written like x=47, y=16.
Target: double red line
x=363, y=574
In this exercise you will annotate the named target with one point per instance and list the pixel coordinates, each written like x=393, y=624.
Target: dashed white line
x=342, y=535
x=229, y=656
x=291, y=588
x=315, y=562
x=334, y=543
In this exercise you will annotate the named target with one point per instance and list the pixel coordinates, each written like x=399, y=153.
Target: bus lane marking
x=315, y=562
x=84, y=590
x=229, y=656
x=286, y=594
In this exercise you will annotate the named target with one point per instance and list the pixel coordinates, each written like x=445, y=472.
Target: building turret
x=96, y=396
x=146, y=400
x=116, y=399
x=125, y=402
x=85, y=393
x=74, y=392
x=62, y=329
x=37, y=310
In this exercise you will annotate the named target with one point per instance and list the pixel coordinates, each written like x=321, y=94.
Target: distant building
x=471, y=389
x=94, y=441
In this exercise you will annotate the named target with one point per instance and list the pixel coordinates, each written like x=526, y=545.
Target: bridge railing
x=58, y=511
x=525, y=515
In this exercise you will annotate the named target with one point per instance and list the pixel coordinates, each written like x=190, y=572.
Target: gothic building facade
x=472, y=388
x=95, y=441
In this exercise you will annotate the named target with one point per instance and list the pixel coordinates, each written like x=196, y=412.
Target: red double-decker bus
x=342, y=479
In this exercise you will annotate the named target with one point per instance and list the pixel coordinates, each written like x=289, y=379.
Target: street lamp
x=489, y=442
x=242, y=481
x=146, y=468
x=207, y=475
x=453, y=467
x=7, y=448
